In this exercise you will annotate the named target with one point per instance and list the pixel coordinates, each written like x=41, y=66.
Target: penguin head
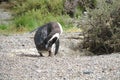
x=52, y=40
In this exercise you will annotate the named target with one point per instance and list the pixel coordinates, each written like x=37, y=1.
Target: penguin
x=47, y=37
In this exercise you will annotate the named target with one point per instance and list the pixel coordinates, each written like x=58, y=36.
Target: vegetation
x=30, y=14
x=103, y=36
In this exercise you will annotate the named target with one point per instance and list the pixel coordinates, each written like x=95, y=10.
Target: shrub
x=74, y=8
x=103, y=36
x=46, y=6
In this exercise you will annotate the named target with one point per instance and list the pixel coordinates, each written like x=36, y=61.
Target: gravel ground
x=19, y=60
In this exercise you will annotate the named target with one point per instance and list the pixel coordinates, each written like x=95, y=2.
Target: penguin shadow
x=29, y=55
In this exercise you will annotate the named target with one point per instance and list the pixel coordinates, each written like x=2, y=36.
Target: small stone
x=87, y=72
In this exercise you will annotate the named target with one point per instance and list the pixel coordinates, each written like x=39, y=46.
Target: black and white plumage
x=46, y=36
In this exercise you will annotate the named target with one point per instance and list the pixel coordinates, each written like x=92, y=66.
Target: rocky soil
x=19, y=60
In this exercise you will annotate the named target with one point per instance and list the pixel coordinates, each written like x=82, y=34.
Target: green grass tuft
x=3, y=27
